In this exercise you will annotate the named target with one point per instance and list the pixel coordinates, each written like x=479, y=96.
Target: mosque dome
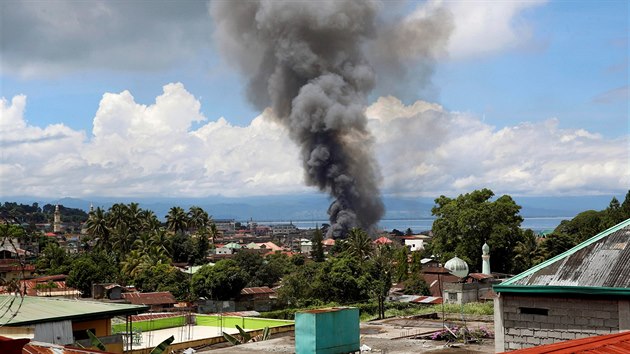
x=457, y=267
x=485, y=249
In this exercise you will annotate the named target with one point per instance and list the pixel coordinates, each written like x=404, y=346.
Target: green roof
x=30, y=310
x=597, y=266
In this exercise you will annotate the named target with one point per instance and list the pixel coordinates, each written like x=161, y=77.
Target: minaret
x=57, y=220
x=485, y=259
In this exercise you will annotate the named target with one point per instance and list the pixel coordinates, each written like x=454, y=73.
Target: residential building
x=416, y=243
x=582, y=292
x=61, y=321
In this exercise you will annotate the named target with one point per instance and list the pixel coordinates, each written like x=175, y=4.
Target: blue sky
x=527, y=71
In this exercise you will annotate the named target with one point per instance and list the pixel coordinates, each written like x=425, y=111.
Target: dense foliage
x=463, y=224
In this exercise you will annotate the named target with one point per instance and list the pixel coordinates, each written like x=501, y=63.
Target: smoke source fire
x=306, y=60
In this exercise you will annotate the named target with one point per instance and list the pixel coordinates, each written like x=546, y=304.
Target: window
x=533, y=311
x=82, y=334
x=452, y=296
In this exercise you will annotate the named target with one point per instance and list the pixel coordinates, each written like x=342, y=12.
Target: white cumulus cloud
x=169, y=148
x=484, y=27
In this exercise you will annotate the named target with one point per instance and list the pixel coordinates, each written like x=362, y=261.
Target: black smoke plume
x=306, y=59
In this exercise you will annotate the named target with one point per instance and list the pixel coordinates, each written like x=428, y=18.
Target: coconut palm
x=160, y=239
x=214, y=232
x=133, y=264
x=176, y=220
x=149, y=221
x=118, y=215
x=359, y=244
x=198, y=218
x=98, y=228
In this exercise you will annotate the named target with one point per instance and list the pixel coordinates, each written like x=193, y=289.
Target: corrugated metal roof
x=257, y=290
x=598, y=263
x=606, y=344
x=48, y=348
x=428, y=300
x=156, y=298
x=34, y=309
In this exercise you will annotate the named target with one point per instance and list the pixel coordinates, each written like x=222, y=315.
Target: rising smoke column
x=305, y=59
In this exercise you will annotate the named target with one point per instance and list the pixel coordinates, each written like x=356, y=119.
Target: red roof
x=382, y=240
x=157, y=298
x=328, y=242
x=609, y=343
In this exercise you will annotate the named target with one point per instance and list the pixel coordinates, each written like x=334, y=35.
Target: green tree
x=53, y=260
x=612, y=216
x=298, y=287
x=97, y=227
x=402, y=264
x=251, y=263
x=214, y=232
x=164, y=277
x=176, y=220
x=223, y=281
x=359, y=244
x=463, y=224
x=528, y=254
x=317, y=252
x=555, y=244
x=582, y=227
x=198, y=218
x=90, y=268
x=625, y=207
x=416, y=285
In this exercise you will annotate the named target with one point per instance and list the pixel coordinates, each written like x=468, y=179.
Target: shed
x=60, y=321
x=582, y=292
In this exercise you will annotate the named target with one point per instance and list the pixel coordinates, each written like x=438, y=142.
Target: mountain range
x=314, y=206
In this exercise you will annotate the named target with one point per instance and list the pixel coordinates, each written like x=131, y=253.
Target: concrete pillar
x=499, y=331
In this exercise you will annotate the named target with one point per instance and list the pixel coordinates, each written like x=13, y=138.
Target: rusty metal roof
x=257, y=290
x=48, y=348
x=599, y=265
x=156, y=298
x=606, y=344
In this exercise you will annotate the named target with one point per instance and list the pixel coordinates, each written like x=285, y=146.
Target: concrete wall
x=566, y=318
x=466, y=292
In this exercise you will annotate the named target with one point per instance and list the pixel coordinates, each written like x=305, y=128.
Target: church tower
x=57, y=220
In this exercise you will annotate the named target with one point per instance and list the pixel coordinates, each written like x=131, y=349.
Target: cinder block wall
x=567, y=318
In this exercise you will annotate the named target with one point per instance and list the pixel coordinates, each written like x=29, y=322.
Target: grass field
x=202, y=320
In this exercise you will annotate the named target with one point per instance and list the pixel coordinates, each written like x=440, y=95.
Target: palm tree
x=198, y=218
x=133, y=264
x=176, y=220
x=98, y=228
x=118, y=215
x=161, y=240
x=134, y=218
x=214, y=232
x=121, y=240
x=359, y=244
x=149, y=221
